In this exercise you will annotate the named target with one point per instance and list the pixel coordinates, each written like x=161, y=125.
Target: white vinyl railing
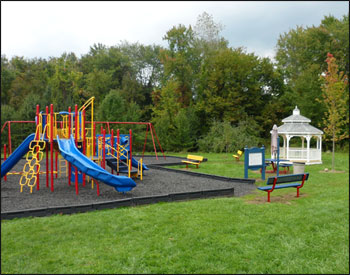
x=300, y=154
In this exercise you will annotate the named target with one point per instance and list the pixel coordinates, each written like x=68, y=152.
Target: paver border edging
x=82, y=208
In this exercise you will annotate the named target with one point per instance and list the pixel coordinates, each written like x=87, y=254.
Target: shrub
x=223, y=137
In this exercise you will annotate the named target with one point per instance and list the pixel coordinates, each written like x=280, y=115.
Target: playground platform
x=159, y=184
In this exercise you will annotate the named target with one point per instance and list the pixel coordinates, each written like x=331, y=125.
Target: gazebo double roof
x=298, y=125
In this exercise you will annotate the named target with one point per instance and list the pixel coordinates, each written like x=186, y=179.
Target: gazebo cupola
x=298, y=126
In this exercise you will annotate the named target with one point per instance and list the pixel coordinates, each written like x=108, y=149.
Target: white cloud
x=43, y=29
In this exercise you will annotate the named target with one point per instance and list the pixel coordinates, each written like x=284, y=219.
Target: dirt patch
x=285, y=199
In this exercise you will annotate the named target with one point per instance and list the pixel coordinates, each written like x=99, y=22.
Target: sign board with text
x=254, y=159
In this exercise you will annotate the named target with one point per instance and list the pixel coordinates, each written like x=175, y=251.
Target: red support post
x=84, y=143
x=118, y=149
x=104, y=149
x=47, y=148
x=69, y=132
x=76, y=144
x=98, y=188
x=144, y=145
x=9, y=135
x=51, y=143
x=5, y=178
x=112, y=145
x=76, y=125
x=37, y=138
x=157, y=140
x=3, y=126
x=154, y=146
x=76, y=181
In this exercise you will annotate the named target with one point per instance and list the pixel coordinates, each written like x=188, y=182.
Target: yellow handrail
x=89, y=102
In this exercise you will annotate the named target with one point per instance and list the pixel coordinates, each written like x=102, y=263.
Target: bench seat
x=285, y=164
x=264, y=188
x=191, y=162
x=192, y=159
x=286, y=181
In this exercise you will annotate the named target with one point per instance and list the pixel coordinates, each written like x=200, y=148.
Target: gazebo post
x=308, y=148
x=288, y=138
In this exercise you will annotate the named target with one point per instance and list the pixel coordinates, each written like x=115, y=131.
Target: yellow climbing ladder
x=35, y=154
x=32, y=168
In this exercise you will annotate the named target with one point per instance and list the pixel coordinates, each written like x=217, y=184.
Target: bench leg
x=268, y=196
x=298, y=192
x=197, y=166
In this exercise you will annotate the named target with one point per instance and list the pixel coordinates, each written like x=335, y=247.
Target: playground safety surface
x=158, y=184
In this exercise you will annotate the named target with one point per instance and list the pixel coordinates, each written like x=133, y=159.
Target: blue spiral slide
x=21, y=150
x=72, y=154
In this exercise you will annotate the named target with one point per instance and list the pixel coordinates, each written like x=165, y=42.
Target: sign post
x=254, y=159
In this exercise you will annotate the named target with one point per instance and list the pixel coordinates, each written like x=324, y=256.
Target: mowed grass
x=222, y=235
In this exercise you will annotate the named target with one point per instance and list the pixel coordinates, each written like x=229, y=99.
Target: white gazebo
x=298, y=126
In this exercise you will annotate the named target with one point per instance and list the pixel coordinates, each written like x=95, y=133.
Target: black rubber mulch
x=155, y=182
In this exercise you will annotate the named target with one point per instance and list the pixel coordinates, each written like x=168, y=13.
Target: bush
x=223, y=137
x=179, y=134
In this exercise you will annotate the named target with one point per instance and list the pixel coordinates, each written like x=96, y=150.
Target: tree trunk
x=333, y=149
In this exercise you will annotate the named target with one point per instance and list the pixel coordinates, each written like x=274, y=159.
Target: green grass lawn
x=222, y=235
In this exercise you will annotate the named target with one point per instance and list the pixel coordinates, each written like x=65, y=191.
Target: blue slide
x=72, y=154
x=16, y=155
x=135, y=163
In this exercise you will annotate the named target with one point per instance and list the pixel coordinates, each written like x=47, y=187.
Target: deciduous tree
x=336, y=99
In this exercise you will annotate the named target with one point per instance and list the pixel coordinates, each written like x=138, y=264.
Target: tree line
x=200, y=93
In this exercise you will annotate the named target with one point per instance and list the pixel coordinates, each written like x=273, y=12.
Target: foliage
x=183, y=87
x=7, y=113
x=336, y=100
x=235, y=85
x=300, y=56
x=114, y=107
x=223, y=137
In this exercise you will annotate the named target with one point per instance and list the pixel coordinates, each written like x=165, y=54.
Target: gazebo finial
x=296, y=111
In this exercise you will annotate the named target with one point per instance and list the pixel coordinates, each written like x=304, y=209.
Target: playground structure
x=84, y=152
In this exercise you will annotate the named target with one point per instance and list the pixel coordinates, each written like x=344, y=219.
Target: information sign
x=254, y=159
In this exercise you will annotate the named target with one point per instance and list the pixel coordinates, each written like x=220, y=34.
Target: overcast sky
x=48, y=29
